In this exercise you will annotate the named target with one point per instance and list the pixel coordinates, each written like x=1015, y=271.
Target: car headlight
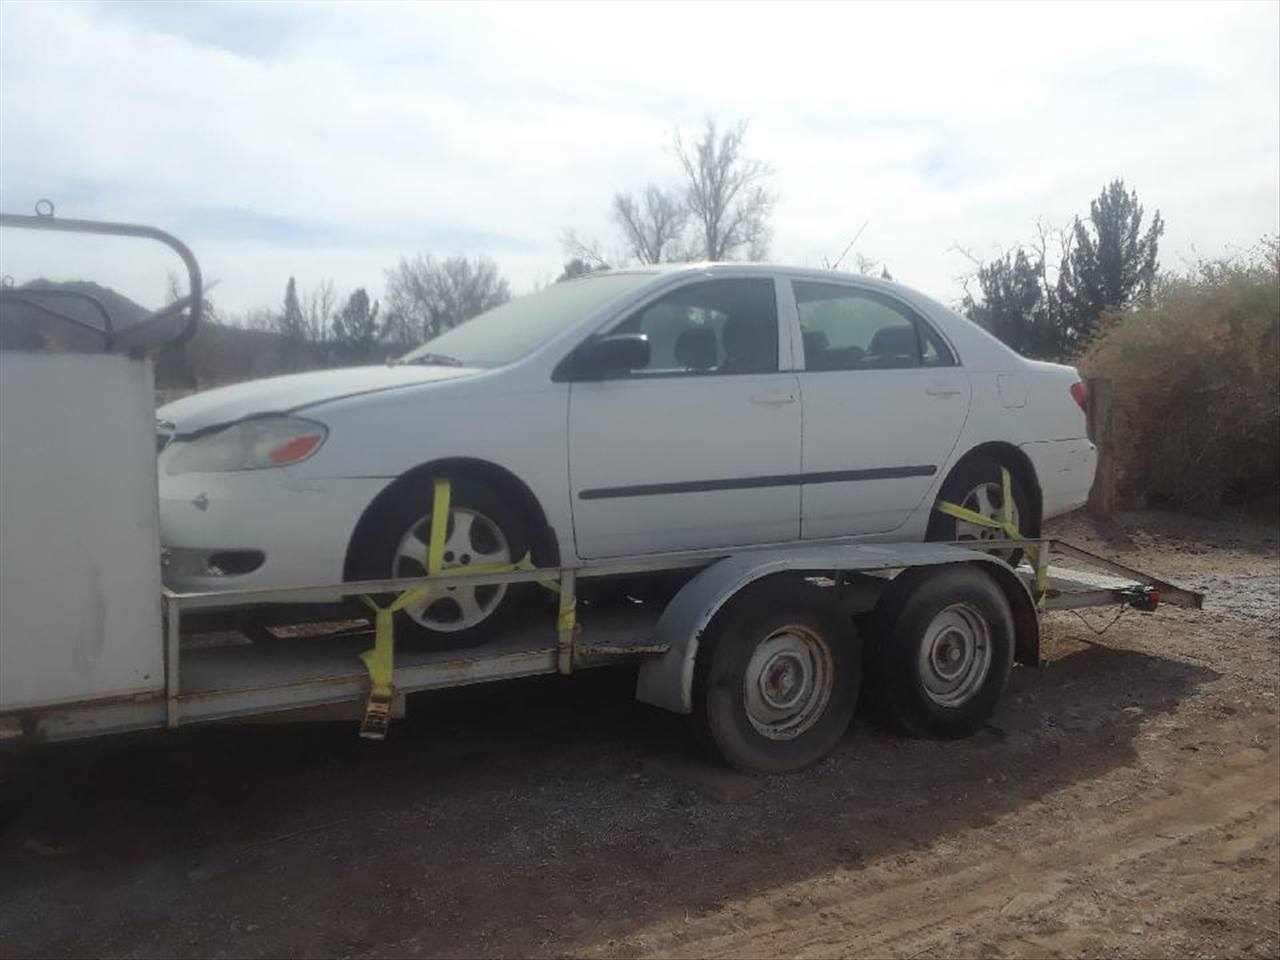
x=254, y=444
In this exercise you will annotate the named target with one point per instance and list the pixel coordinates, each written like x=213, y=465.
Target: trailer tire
x=777, y=677
x=942, y=651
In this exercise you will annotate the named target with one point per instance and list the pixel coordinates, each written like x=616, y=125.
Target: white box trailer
x=764, y=648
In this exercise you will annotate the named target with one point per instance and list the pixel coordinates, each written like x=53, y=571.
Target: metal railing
x=192, y=303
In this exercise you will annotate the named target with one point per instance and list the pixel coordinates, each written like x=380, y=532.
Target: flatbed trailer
x=767, y=649
x=309, y=674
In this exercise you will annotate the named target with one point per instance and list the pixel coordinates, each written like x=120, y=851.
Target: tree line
x=717, y=206
x=424, y=296
x=1046, y=298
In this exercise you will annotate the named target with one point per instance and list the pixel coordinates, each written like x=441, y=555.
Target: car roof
x=739, y=268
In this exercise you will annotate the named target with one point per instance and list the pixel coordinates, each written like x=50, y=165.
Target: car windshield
x=508, y=332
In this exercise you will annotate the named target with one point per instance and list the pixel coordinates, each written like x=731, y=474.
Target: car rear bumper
x=1065, y=470
x=257, y=529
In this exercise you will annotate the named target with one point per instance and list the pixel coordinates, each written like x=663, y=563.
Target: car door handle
x=773, y=399
x=942, y=390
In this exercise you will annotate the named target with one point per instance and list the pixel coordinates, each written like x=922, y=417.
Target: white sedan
x=629, y=412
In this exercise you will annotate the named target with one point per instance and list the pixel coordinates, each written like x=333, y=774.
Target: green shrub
x=1196, y=385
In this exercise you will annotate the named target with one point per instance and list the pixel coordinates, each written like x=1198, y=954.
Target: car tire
x=940, y=651
x=978, y=485
x=776, y=679
x=457, y=617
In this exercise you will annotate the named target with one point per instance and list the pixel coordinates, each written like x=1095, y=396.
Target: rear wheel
x=777, y=678
x=942, y=651
x=978, y=485
x=483, y=528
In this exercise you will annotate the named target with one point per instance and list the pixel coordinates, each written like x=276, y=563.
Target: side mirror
x=619, y=353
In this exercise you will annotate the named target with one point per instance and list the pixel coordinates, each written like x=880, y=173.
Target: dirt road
x=1125, y=801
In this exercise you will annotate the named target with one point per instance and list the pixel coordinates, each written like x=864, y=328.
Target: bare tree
x=575, y=268
x=870, y=266
x=262, y=319
x=727, y=193
x=426, y=296
x=176, y=289
x=583, y=248
x=652, y=225
x=319, y=304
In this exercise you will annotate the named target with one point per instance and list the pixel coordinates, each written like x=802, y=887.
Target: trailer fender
x=667, y=681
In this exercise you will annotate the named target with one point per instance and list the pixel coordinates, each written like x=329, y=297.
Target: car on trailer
x=630, y=412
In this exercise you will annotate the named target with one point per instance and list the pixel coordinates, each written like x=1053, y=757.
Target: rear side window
x=709, y=328
x=846, y=328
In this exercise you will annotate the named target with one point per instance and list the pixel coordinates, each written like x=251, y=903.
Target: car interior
x=731, y=327
x=717, y=327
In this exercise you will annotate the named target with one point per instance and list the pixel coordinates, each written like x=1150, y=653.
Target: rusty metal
x=638, y=648
x=588, y=654
x=172, y=653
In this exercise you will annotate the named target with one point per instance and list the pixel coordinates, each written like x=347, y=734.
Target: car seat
x=894, y=347
x=748, y=345
x=696, y=348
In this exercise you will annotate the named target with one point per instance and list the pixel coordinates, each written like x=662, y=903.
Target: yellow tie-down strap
x=442, y=494
x=1005, y=525
x=380, y=660
x=568, y=618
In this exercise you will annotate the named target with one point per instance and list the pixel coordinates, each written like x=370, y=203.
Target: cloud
x=327, y=140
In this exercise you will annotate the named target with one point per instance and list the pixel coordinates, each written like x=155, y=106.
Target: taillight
x=1080, y=393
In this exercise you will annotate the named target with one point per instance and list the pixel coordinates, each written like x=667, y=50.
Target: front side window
x=710, y=327
x=845, y=328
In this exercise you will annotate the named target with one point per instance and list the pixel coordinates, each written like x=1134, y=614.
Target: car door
x=884, y=402
x=701, y=446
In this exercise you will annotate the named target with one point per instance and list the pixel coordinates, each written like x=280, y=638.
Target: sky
x=325, y=141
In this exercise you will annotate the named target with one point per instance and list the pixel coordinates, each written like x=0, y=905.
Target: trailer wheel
x=777, y=678
x=942, y=652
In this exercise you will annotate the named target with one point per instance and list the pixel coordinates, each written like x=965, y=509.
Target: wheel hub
x=787, y=683
x=470, y=537
x=987, y=500
x=782, y=682
x=955, y=655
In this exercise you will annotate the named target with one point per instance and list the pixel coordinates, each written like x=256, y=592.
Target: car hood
x=295, y=392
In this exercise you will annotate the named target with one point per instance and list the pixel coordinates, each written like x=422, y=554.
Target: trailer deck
x=229, y=677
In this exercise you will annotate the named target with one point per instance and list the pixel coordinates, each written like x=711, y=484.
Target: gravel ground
x=1125, y=801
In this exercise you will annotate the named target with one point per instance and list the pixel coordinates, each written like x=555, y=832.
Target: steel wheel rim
x=987, y=499
x=788, y=682
x=955, y=655
x=471, y=538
